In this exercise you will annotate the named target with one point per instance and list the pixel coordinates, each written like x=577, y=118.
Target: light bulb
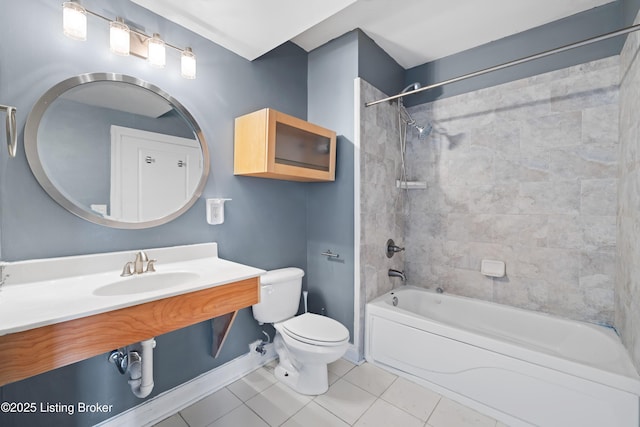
x=188, y=64
x=156, y=51
x=74, y=21
x=119, y=40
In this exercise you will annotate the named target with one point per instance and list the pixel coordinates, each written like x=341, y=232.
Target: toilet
x=305, y=344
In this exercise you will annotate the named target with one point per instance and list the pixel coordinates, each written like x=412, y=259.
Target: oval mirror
x=116, y=150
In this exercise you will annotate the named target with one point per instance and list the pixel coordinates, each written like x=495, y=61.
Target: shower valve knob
x=392, y=248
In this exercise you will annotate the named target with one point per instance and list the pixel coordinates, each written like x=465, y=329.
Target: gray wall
x=590, y=23
x=629, y=10
x=376, y=66
x=627, y=301
x=265, y=222
x=332, y=69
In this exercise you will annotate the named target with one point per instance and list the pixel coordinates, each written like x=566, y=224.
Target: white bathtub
x=521, y=367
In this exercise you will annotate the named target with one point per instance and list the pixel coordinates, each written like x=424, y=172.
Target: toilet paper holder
x=330, y=254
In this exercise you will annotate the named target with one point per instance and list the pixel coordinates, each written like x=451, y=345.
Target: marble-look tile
x=565, y=232
x=209, y=409
x=314, y=415
x=470, y=228
x=586, y=90
x=465, y=282
x=277, y=403
x=559, y=197
x=251, y=384
x=522, y=292
x=597, y=269
x=554, y=266
x=173, y=421
x=412, y=398
x=502, y=137
x=370, y=378
x=532, y=99
x=346, y=400
x=589, y=161
x=554, y=130
x=452, y=414
x=599, y=232
x=627, y=289
x=474, y=166
x=241, y=416
x=600, y=124
x=598, y=196
x=529, y=167
x=340, y=367
x=522, y=172
x=383, y=414
x=526, y=230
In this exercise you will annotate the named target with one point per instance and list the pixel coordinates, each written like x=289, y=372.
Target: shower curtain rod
x=585, y=42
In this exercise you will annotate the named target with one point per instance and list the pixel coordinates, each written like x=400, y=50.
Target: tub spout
x=397, y=273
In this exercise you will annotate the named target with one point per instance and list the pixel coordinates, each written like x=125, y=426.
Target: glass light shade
x=156, y=52
x=188, y=64
x=74, y=21
x=119, y=41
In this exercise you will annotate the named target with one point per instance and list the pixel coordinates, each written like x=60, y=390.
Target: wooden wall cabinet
x=271, y=144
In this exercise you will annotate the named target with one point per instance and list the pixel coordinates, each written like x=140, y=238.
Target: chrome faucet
x=397, y=273
x=138, y=266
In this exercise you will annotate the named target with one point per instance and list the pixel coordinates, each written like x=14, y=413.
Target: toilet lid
x=309, y=327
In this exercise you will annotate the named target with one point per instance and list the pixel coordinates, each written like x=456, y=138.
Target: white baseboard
x=171, y=401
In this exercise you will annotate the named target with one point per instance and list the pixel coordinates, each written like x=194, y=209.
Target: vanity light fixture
x=157, y=52
x=74, y=20
x=124, y=40
x=188, y=64
x=119, y=38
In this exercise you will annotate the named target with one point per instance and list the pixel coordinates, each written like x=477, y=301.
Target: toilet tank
x=279, y=295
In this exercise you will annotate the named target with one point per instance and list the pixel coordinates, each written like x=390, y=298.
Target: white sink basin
x=146, y=282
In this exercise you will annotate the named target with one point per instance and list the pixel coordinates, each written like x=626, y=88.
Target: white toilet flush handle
x=305, y=294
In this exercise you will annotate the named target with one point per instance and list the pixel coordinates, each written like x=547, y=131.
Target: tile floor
x=358, y=396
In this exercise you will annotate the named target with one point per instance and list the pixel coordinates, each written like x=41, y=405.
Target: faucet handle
x=151, y=266
x=392, y=248
x=128, y=270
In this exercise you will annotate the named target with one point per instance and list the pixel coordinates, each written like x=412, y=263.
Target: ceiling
x=413, y=32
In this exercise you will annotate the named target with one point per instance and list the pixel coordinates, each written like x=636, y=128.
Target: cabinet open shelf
x=271, y=144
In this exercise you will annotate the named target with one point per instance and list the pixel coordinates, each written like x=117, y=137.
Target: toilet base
x=311, y=379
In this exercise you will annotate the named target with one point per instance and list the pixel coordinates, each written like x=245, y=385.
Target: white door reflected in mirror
x=152, y=174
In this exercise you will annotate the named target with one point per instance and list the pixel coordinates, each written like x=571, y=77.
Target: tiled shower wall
x=525, y=173
x=627, y=301
x=380, y=201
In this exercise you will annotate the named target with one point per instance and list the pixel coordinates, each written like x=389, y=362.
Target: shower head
x=412, y=86
x=423, y=131
x=405, y=116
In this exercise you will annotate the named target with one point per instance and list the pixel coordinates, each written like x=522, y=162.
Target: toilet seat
x=317, y=330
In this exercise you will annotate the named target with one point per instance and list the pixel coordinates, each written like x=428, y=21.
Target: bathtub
x=518, y=366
